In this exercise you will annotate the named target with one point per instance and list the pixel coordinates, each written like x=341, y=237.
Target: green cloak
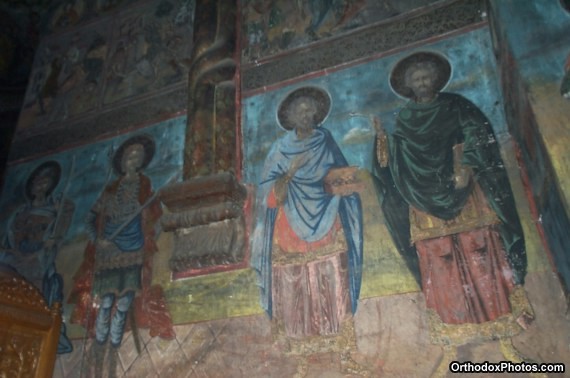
x=421, y=167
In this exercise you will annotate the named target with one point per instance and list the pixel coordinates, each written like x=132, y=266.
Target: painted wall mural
x=307, y=243
x=534, y=58
x=117, y=266
x=565, y=82
x=336, y=145
x=66, y=77
x=271, y=27
x=149, y=52
x=384, y=115
x=35, y=232
x=69, y=13
x=139, y=51
x=82, y=226
x=444, y=189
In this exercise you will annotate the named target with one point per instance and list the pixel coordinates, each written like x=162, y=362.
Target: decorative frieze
x=439, y=19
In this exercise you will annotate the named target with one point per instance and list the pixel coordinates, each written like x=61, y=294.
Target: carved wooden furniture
x=29, y=330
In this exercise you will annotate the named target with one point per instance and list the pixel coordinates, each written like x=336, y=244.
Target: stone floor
x=392, y=341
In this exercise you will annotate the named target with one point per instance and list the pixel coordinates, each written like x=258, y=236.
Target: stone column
x=212, y=119
x=206, y=209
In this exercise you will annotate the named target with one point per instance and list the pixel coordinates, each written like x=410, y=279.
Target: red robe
x=149, y=305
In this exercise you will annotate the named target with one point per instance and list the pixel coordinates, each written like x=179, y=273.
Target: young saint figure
x=35, y=234
x=116, y=272
x=307, y=243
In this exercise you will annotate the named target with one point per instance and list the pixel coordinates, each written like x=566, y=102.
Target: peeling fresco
x=271, y=27
x=533, y=59
x=139, y=52
x=358, y=95
x=83, y=175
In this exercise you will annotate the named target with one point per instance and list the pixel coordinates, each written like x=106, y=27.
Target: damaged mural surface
x=82, y=226
x=543, y=69
x=438, y=213
x=355, y=191
x=271, y=27
x=121, y=55
x=307, y=242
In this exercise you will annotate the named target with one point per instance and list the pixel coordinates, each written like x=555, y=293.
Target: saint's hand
x=280, y=189
x=103, y=243
x=295, y=165
x=381, y=142
x=377, y=123
x=461, y=173
x=461, y=177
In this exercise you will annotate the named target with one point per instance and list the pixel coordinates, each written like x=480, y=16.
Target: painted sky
x=92, y=171
x=538, y=34
x=362, y=91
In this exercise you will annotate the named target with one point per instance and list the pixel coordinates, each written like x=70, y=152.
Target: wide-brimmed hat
x=398, y=75
x=145, y=141
x=50, y=168
x=321, y=97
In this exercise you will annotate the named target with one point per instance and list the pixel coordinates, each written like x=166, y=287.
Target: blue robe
x=310, y=210
x=37, y=226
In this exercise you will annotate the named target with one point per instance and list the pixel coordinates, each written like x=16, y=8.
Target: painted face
x=133, y=158
x=40, y=185
x=303, y=113
x=421, y=82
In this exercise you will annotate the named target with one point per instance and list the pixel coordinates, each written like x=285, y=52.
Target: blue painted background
x=92, y=169
x=363, y=91
x=538, y=35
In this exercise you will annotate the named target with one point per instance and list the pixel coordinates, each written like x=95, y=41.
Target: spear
x=131, y=313
x=139, y=210
x=62, y=199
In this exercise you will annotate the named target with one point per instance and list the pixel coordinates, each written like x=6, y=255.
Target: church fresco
x=307, y=242
x=92, y=216
x=66, y=77
x=213, y=290
x=116, y=272
x=359, y=95
x=272, y=27
x=69, y=13
x=362, y=97
x=140, y=51
x=449, y=207
x=36, y=231
x=150, y=50
x=209, y=309
x=535, y=60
